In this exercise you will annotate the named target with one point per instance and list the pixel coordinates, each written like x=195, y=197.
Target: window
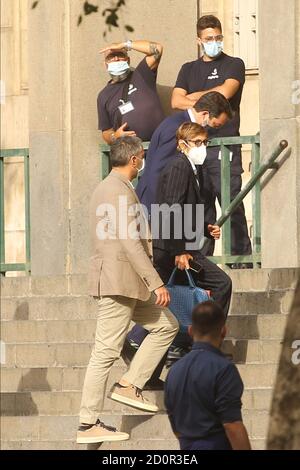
x=245, y=28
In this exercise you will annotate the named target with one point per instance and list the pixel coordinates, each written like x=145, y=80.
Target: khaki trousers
x=114, y=316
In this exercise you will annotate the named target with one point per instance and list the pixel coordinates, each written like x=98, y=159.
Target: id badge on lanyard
x=126, y=108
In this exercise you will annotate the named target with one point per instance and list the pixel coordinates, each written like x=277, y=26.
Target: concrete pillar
x=66, y=74
x=280, y=119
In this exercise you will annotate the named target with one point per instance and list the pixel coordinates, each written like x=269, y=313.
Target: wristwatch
x=128, y=45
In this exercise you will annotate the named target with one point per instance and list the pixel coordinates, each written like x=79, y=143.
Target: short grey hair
x=123, y=149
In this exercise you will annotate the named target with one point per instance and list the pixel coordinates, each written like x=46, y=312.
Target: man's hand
x=214, y=231
x=121, y=131
x=163, y=297
x=182, y=261
x=113, y=47
x=110, y=135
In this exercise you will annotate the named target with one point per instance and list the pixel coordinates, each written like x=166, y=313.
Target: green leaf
x=89, y=8
x=79, y=20
x=112, y=19
x=129, y=28
x=35, y=4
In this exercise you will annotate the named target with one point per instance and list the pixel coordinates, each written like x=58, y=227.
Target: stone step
x=149, y=444
x=32, y=355
x=262, y=280
x=68, y=403
x=81, y=331
x=71, y=378
x=83, y=307
x=56, y=428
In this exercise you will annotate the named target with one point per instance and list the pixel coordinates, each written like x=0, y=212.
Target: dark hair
x=208, y=21
x=215, y=104
x=123, y=149
x=208, y=318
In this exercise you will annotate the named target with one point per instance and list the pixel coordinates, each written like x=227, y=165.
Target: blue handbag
x=184, y=299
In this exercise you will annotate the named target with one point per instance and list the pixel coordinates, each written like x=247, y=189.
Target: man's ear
x=224, y=332
x=190, y=331
x=133, y=160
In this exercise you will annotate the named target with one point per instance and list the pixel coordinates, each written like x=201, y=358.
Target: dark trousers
x=211, y=278
x=240, y=241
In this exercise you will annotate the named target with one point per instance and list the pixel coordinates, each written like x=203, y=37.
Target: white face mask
x=197, y=154
x=142, y=167
x=118, y=68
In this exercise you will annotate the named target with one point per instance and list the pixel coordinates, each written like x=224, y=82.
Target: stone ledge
x=258, y=280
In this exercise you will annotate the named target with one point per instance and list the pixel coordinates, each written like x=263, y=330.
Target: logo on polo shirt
x=132, y=89
x=213, y=75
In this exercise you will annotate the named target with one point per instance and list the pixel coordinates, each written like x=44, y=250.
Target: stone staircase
x=48, y=326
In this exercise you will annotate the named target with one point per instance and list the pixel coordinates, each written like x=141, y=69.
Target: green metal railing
x=5, y=267
x=228, y=206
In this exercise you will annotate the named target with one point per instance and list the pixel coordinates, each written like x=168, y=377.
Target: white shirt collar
x=191, y=114
x=193, y=165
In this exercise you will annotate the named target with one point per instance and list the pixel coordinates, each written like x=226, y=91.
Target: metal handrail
x=5, y=267
x=224, y=143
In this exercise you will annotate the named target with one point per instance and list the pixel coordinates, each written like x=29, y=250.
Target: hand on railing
x=214, y=231
x=120, y=132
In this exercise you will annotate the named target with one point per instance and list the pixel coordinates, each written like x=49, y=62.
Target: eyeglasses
x=218, y=38
x=199, y=142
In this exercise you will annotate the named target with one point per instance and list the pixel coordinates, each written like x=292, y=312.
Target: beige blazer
x=120, y=264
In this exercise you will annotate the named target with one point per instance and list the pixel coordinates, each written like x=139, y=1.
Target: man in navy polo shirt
x=129, y=104
x=203, y=390
x=217, y=71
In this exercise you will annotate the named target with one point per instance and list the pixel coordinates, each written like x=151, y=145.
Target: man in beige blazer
x=127, y=287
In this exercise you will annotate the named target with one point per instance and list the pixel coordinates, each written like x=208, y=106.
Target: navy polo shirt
x=147, y=113
x=203, y=390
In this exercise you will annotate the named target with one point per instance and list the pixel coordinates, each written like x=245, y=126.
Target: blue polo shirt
x=203, y=390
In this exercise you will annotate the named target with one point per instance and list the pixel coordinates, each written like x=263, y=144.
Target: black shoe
x=241, y=266
x=154, y=384
x=174, y=354
x=128, y=351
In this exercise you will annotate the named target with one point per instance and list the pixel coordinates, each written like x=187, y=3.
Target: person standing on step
x=127, y=287
x=203, y=389
x=129, y=104
x=217, y=71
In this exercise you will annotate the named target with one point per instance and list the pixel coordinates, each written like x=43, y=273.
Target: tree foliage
x=111, y=14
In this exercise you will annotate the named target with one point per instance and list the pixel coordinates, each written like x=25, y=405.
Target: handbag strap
x=189, y=276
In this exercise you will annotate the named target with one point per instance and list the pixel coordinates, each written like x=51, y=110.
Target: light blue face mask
x=213, y=49
x=118, y=68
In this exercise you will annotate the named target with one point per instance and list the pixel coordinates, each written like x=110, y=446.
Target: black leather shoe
x=241, y=266
x=174, y=354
